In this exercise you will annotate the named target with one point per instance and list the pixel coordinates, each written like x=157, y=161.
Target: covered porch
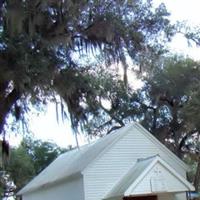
x=150, y=179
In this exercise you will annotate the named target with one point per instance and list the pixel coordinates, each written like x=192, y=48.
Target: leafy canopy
x=40, y=39
x=26, y=161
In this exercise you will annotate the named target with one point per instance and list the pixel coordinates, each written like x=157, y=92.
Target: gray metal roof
x=75, y=161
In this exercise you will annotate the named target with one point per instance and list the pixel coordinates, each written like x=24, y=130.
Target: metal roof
x=75, y=161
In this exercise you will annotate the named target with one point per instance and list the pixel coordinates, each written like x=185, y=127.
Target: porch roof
x=150, y=176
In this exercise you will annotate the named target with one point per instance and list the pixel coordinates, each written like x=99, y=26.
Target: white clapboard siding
x=101, y=175
x=66, y=190
x=150, y=176
x=164, y=182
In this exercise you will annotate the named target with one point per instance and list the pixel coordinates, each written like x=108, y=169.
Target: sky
x=188, y=11
x=45, y=125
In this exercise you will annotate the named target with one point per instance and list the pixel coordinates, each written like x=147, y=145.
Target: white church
x=128, y=164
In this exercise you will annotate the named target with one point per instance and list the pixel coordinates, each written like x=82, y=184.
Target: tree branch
x=112, y=116
x=6, y=104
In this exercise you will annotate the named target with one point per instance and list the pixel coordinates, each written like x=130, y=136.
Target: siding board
x=72, y=190
x=102, y=174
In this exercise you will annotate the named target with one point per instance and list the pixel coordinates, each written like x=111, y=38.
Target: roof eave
x=49, y=184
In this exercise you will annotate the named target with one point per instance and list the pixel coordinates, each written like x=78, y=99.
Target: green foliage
x=26, y=161
x=168, y=96
x=167, y=105
x=41, y=153
x=191, y=110
x=21, y=167
x=40, y=38
x=39, y=43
